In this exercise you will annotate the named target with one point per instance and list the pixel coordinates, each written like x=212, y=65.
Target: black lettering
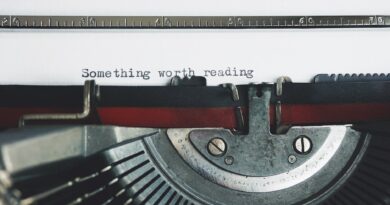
x=191, y=72
x=146, y=75
x=242, y=72
x=92, y=74
x=228, y=72
x=116, y=73
x=184, y=71
x=100, y=74
x=131, y=75
x=85, y=73
x=250, y=74
x=234, y=71
x=161, y=73
x=139, y=73
x=123, y=73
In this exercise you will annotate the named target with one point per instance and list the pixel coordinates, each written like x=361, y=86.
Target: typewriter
x=321, y=142
x=324, y=142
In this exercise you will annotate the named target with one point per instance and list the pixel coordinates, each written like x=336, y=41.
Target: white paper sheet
x=63, y=57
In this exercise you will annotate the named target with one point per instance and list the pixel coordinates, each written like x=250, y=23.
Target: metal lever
x=279, y=128
x=238, y=109
x=89, y=86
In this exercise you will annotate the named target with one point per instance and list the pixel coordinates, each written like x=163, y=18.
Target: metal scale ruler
x=192, y=22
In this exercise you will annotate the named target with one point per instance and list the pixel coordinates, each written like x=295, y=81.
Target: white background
x=57, y=57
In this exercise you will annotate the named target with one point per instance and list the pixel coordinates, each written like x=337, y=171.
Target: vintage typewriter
x=322, y=142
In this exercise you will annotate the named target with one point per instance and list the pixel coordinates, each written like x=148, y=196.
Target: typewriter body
x=323, y=142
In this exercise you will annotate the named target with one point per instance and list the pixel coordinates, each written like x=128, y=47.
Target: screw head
x=303, y=145
x=229, y=160
x=216, y=147
x=292, y=159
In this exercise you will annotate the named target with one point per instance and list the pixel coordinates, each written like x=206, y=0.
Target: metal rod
x=192, y=22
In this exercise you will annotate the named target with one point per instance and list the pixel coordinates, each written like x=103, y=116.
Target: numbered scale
x=195, y=22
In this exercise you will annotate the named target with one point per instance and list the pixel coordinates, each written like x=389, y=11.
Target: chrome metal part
x=302, y=144
x=292, y=159
x=89, y=93
x=60, y=147
x=280, y=128
x=229, y=160
x=238, y=109
x=279, y=84
x=233, y=89
x=116, y=165
x=260, y=163
x=216, y=147
x=267, y=182
x=192, y=22
x=61, y=142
